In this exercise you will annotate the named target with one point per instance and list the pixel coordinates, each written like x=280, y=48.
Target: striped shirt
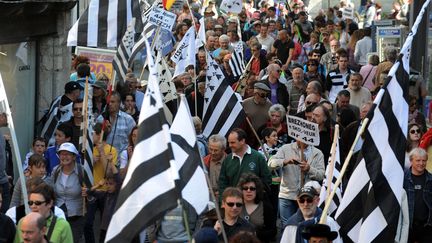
x=337, y=81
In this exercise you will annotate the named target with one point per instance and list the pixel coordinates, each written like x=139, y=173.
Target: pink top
x=368, y=72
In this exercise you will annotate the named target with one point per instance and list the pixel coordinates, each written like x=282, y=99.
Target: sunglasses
x=250, y=188
x=77, y=109
x=37, y=203
x=262, y=95
x=415, y=131
x=310, y=103
x=231, y=204
x=308, y=200
x=311, y=64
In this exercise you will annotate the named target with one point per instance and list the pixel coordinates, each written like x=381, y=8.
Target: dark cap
x=206, y=235
x=319, y=230
x=71, y=86
x=262, y=86
x=307, y=191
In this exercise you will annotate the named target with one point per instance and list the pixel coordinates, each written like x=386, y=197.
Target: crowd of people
x=266, y=183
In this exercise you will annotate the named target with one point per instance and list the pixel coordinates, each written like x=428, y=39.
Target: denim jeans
x=92, y=207
x=287, y=208
x=6, y=197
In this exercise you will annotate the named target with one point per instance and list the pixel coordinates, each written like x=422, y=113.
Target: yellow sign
x=100, y=59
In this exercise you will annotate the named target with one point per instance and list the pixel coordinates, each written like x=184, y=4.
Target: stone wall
x=54, y=63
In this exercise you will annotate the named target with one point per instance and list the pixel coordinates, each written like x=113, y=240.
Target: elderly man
x=418, y=185
x=296, y=88
x=359, y=94
x=223, y=45
x=119, y=123
x=307, y=214
x=242, y=159
x=257, y=106
x=33, y=228
x=329, y=59
x=288, y=158
x=278, y=91
x=213, y=161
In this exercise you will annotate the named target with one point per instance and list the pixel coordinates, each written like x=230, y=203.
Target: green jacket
x=232, y=169
x=62, y=231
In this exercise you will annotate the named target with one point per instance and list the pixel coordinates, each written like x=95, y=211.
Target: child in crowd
x=270, y=139
x=38, y=147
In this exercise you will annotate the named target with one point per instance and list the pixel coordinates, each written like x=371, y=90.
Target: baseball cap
x=307, y=191
x=71, y=86
x=68, y=147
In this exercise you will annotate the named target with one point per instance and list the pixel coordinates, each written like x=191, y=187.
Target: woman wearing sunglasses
x=41, y=200
x=257, y=208
x=413, y=140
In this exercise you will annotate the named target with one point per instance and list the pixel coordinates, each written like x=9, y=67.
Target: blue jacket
x=427, y=195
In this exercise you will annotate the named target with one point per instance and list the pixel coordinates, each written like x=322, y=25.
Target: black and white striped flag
x=188, y=160
x=148, y=31
x=222, y=108
x=148, y=190
x=86, y=147
x=185, y=53
x=122, y=57
x=103, y=23
x=236, y=62
x=331, y=176
x=370, y=207
x=56, y=114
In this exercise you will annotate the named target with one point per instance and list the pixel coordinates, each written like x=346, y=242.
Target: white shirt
x=266, y=43
x=362, y=48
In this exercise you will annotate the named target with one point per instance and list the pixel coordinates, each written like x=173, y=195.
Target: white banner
x=163, y=18
x=231, y=6
x=303, y=130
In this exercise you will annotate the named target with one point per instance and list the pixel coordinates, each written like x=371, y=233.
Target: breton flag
x=103, y=23
x=148, y=190
x=236, y=62
x=222, y=108
x=201, y=37
x=86, y=143
x=188, y=159
x=370, y=207
x=231, y=6
x=56, y=114
x=331, y=176
x=122, y=57
x=148, y=31
x=167, y=88
x=184, y=55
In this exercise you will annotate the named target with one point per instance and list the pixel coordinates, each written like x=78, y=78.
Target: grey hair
x=277, y=108
x=390, y=53
x=417, y=152
x=223, y=38
x=216, y=138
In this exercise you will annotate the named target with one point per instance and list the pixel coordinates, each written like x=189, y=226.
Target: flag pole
x=323, y=219
x=332, y=159
x=259, y=140
x=240, y=84
x=84, y=125
x=156, y=36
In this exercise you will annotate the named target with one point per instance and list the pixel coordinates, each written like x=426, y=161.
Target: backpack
x=203, y=141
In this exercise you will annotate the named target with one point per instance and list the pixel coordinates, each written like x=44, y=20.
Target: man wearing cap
x=319, y=233
x=60, y=111
x=307, y=214
x=288, y=158
x=99, y=97
x=257, y=106
x=75, y=121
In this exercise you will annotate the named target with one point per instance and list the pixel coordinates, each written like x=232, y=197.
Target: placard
x=163, y=18
x=303, y=130
x=100, y=59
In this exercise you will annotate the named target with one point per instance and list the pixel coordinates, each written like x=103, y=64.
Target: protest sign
x=348, y=13
x=303, y=130
x=100, y=59
x=162, y=18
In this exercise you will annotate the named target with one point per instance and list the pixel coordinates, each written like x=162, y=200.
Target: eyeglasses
x=415, y=131
x=308, y=200
x=231, y=204
x=77, y=109
x=250, y=188
x=37, y=203
x=311, y=64
x=310, y=103
x=262, y=95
